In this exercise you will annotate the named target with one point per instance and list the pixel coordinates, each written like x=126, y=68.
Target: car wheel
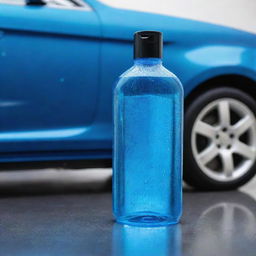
x=220, y=139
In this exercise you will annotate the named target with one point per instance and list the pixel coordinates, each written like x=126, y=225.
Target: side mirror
x=35, y=2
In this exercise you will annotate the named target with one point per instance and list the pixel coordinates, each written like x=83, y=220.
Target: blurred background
x=238, y=14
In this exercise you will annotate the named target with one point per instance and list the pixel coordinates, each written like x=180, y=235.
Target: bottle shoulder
x=147, y=70
x=155, y=77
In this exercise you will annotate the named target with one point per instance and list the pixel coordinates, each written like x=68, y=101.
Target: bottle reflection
x=140, y=241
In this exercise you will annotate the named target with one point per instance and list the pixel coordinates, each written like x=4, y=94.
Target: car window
x=66, y=3
x=53, y=3
x=59, y=3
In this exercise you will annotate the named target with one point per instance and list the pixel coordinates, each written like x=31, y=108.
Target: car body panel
x=48, y=95
x=74, y=58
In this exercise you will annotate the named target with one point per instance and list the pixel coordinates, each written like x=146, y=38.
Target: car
x=59, y=60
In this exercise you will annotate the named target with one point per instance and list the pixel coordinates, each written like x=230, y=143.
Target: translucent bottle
x=148, y=121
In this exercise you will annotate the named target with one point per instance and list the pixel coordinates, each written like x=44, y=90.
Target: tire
x=231, y=157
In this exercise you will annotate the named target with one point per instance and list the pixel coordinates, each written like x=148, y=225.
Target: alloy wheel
x=224, y=139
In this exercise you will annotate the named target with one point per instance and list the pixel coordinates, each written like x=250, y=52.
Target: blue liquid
x=147, y=150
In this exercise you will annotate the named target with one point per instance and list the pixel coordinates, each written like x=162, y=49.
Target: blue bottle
x=148, y=121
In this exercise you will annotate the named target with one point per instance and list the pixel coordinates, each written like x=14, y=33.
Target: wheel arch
x=242, y=82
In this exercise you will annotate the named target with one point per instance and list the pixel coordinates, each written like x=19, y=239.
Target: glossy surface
x=58, y=67
x=39, y=221
x=148, y=117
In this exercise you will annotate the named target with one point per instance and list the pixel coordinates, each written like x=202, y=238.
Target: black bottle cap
x=148, y=44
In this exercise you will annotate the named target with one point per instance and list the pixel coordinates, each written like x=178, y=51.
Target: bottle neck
x=148, y=61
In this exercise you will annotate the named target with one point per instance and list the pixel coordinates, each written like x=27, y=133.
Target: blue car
x=59, y=60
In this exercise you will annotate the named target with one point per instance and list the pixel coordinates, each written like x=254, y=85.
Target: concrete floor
x=53, y=212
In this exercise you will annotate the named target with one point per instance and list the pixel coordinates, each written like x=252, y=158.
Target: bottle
x=148, y=121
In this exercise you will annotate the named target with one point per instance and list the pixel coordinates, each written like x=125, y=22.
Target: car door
x=49, y=75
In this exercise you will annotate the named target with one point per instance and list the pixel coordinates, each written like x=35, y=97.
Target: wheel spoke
x=204, y=129
x=224, y=113
x=208, y=154
x=243, y=125
x=244, y=150
x=228, y=163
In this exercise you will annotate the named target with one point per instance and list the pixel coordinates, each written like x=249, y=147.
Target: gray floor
x=56, y=212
